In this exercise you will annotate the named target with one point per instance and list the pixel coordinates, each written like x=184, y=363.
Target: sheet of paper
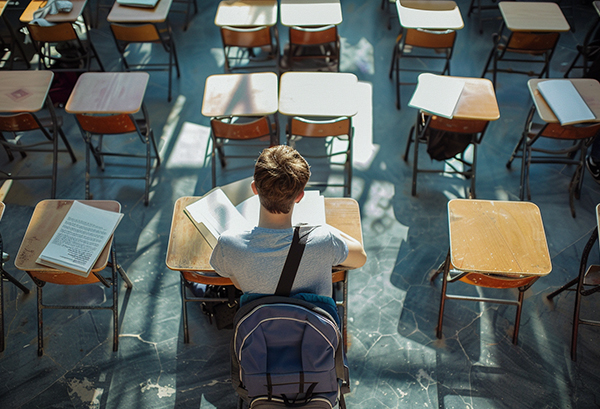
x=437, y=94
x=565, y=101
x=310, y=210
x=217, y=213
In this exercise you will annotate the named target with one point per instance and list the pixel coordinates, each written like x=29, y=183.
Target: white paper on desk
x=565, y=101
x=437, y=94
x=310, y=210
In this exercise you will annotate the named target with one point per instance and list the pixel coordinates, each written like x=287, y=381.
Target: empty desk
x=311, y=13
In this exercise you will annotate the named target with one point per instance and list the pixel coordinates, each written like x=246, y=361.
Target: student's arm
x=356, y=253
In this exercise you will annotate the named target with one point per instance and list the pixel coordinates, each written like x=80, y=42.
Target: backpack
x=288, y=351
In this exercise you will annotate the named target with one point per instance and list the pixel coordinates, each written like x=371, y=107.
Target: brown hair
x=280, y=175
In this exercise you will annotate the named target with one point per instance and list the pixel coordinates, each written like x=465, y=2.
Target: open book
x=214, y=213
x=80, y=239
x=565, y=101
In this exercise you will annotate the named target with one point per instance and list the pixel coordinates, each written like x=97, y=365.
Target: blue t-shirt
x=256, y=257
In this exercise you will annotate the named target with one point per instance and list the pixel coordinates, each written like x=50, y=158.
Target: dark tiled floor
x=395, y=359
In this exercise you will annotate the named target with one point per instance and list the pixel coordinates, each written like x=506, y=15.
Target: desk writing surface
x=240, y=94
x=588, y=88
x=3, y=5
x=47, y=216
x=434, y=15
x=188, y=251
x=108, y=93
x=2, y=208
x=321, y=94
x=244, y=13
x=533, y=16
x=477, y=99
x=24, y=91
x=498, y=237
x=70, y=17
x=310, y=13
x=126, y=14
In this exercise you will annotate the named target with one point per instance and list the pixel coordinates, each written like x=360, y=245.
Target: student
x=254, y=259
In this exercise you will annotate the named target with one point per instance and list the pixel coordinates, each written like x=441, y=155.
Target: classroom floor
x=395, y=359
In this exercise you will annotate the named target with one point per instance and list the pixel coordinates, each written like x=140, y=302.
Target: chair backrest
x=145, y=33
x=490, y=281
x=534, y=43
x=313, y=35
x=223, y=129
x=556, y=131
x=320, y=129
x=106, y=125
x=18, y=122
x=63, y=278
x=287, y=348
x=463, y=126
x=52, y=34
x=417, y=37
x=246, y=37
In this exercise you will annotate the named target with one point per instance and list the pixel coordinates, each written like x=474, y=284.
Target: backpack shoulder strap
x=292, y=262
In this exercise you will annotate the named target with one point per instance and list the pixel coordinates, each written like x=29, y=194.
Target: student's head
x=280, y=175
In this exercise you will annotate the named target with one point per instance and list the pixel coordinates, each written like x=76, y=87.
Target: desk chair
x=5, y=276
x=117, y=125
x=435, y=44
x=453, y=136
x=247, y=48
x=26, y=122
x=587, y=283
x=237, y=131
x=318, y=46
x=535, y=48
x=588, y=51
x=125, y=35
x=331, y=130
x=450, y=275
x=579, y=136
x=63, y=278
x=75, y=54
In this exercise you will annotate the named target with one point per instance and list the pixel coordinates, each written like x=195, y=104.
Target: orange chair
x=436, y=45
x=125, y=35
x=231, y=132
x=75, y=54
x=331, y=130
x=533, y=48
x=318, y=46
x=432, y=128
x=248, y=48
x=577, y=139
x=482, y=280
x=117, y=125
x=50, y=128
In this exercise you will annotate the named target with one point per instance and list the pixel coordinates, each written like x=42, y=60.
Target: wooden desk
x=246, y=13
x=70, y=17
x=126, y=14
x=24, y=91
x=188, y=251
x=46, y=218
x=588, y=88
x=108, y=93
x=310, y=13
x=498, y=237
x=533, y=16
x=240, y=94
x=431, y=15
x=477, y=100
x=320, y=94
